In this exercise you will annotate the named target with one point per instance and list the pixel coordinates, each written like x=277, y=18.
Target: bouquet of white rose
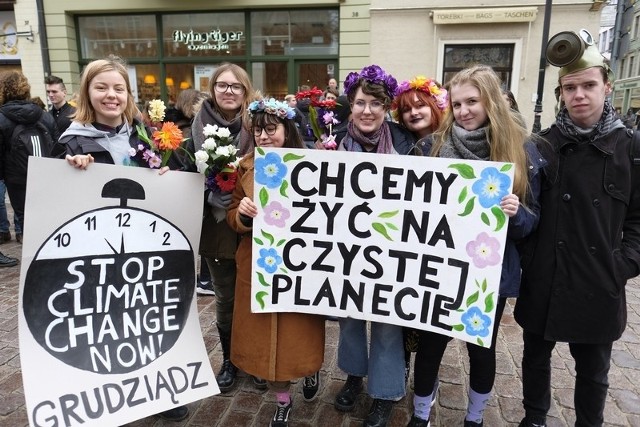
x=217, y=159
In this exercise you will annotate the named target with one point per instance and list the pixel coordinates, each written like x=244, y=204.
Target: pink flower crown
x=428, y=86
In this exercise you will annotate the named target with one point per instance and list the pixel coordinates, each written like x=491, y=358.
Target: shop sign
x=483, y=16
x=213, y=40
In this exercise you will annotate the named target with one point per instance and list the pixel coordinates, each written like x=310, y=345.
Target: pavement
x=246, y=406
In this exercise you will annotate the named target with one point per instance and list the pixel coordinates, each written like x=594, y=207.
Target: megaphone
x=575, y=52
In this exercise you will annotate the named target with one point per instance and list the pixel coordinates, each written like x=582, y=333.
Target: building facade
x=171, y=45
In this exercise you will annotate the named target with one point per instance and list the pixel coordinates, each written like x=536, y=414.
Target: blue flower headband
x=372, y=74
x=271, y=106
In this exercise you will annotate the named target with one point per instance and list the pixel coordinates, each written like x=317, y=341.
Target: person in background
x=576, y=265
x=370, y=94
x=333, y=84
x=513, y=104
x=231, y=92
x=187, y=105
x=300, y=120
x=419, y=106
x=16, y=108
x=330, y=94
x=104, y=131
x=61, y=110
x=481, y=126
x=276, y=346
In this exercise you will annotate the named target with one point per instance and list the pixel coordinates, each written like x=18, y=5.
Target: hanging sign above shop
x=483, y=16
x=213, y=40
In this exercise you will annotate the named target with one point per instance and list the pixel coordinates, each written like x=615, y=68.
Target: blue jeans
x=4, y=220
x=382, y=361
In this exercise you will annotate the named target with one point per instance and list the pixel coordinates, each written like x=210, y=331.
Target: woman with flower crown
x=370, y=93
x=419, y=106
x=481, y=126
x=231, y=92
x=276, y=346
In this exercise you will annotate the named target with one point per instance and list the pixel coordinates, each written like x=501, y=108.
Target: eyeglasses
x=236, y=88
x=360, y=105
x=269, y=129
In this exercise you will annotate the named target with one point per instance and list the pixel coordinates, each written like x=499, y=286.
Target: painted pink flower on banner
x=484, y=251
x=275, y=214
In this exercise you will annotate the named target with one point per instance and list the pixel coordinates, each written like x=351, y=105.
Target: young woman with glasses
x=276, y=346
x=370, y=93
x=231, y=93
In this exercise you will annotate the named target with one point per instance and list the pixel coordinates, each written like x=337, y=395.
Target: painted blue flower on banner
x=270, y=170
x=489, y=189
x=269, y=260
x=476, y=323
x=492, y=186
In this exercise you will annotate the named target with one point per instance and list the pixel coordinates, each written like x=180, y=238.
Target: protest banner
x=412, y=241
x=108, y=324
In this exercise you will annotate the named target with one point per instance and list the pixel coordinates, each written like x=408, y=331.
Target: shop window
x=128, y=36
x=301, y=32
x=204, y=34
x=270, y=78
x=497, y=56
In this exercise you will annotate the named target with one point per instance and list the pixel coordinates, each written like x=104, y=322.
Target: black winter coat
x=26, y=112
x=587, y=245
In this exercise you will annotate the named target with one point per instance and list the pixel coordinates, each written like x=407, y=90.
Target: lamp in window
x=185, y=85
x=168, y=81
x=150, y=79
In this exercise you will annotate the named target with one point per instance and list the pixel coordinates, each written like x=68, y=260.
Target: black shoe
x=346, y=397
x=19, y=238
x=175, y=414
x=6, y=261
x=227, y=376
x=310, y=387
x=281, y=417
x=5, y=237
x=526, y=422
x=205, y=288
x=259, y=383
x=468, y=423
x=379, y=413
x=418, y=422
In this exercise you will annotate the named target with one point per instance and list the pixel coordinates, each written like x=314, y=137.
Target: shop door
x=316, y=73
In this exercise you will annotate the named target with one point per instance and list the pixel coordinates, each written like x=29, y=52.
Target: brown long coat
x=273, y=346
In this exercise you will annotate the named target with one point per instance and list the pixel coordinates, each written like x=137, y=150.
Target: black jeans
x=482, y=360
x=592, y=368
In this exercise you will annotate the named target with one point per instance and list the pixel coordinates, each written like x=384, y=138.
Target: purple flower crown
x=373, y=74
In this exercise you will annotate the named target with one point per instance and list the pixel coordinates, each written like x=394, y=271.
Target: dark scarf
x=208, y=116
x=466, y=144
x=604, y=126
x=379, y=141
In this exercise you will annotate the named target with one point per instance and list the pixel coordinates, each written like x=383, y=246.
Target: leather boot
x=226, y=378
x=379, y=413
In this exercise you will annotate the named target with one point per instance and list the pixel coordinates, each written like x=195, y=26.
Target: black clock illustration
x=110, y=290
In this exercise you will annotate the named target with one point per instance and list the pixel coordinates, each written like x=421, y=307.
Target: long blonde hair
x=505, y=134
x=84, y=110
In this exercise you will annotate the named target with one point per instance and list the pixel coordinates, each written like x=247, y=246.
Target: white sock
x=477, y=404
x=422, y=406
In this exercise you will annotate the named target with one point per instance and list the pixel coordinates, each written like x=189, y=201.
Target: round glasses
x=269, y=129
x=360, y=105
x=236, y=88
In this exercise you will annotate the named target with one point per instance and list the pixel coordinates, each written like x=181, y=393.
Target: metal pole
x=541, y=70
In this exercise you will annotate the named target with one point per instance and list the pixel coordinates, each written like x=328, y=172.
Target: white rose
x=223, y=151
x=224, y=133
x=232, y=150
x=201, y=166
x=209, y=144
x=210, y=130
x=201, y=156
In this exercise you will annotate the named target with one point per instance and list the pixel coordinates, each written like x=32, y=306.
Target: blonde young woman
x=481, y=126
